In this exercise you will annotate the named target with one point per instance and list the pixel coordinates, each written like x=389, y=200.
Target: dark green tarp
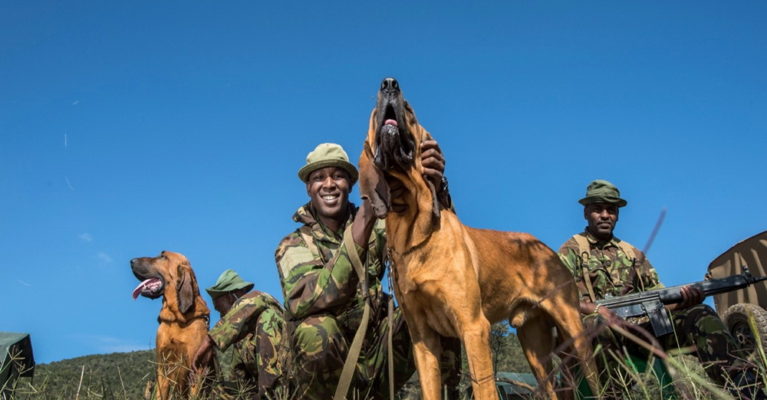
x=16, y=359
x=513, y=385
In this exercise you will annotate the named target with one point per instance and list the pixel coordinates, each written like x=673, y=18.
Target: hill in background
x=124, y=376
x=104, y=376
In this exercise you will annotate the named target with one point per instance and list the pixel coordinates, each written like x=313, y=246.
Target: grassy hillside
x=104, y=376
x=124, y=376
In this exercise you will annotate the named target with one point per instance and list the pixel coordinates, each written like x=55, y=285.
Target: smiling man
x=323, y=298
x=605, y=266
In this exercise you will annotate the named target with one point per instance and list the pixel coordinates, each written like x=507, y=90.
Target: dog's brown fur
x=184, y=322
x=452, y=280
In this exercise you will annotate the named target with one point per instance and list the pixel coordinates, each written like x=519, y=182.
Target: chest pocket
x=607, y=275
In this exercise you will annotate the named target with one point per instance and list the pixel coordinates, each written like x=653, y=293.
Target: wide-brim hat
x=602, y=191
x=327, y=155
x=227, y=282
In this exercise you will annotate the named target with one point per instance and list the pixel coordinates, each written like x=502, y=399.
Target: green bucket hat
x=602, y=191
x=227, y=282
x=327, y=155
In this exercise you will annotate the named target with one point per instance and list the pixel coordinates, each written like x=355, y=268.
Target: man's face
x=223, y=303
x=602, y=218
x=329, y=189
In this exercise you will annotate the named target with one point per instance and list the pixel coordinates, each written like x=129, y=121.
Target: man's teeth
x=330, y=197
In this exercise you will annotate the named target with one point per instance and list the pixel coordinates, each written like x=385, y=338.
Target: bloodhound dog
x=454, y=281
x=184, y=320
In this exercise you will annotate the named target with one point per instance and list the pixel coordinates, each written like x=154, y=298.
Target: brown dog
x=454, y=281
x=184, y=319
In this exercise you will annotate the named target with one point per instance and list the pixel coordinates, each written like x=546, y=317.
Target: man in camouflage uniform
x=248, y=338
x=323, y=296
x=604, y=266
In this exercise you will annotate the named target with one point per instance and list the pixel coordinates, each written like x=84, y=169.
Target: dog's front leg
x=427, y=348
x=163, y=383
x=476, y=340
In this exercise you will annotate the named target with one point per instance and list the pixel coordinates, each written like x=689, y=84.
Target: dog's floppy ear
x=373, y=184
x=185, y=289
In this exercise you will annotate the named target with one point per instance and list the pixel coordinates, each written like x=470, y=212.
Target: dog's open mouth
x=390, y=128
x=390, y=116
x=151, y=288
x=394, y=147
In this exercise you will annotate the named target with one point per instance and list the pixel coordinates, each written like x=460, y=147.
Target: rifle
x=651, y=302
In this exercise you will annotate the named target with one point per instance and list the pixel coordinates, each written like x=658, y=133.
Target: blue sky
x=127, y=128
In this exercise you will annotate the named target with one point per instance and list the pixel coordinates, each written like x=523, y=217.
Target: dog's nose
x=133, y=261
x=390, y=85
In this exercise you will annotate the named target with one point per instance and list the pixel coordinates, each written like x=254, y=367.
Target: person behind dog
x=604, y=265
x=247, y=339
x=323, y=298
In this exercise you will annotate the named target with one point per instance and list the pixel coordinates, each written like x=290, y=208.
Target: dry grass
x=624, y=381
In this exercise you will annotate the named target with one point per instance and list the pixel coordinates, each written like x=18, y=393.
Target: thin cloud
x=69, y=184
x=123, y=348
x=24, y=283
x=85, y=237
x=111, y=344
x=104, y=257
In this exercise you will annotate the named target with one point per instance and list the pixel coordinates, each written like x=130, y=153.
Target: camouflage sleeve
x=240, y=320
x=308, y=286
x=650, y=279
x=378, y=245
x=568, y=253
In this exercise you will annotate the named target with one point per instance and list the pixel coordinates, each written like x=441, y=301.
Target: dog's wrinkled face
x=149, y=271
x=169, y=275
x=394, y=143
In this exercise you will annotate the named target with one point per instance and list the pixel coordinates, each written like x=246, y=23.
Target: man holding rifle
x=604, y=266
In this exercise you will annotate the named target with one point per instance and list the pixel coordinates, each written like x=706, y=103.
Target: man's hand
x=609, y=315
x=433, y=162
x=204, y=355
x=691, y=295
x=586, y=308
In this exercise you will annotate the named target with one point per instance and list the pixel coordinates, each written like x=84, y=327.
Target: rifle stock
x=652, y=302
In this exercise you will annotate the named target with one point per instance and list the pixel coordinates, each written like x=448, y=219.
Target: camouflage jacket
x=319, y=278
x=229, y=364
x=240, y=321
x=611, y=271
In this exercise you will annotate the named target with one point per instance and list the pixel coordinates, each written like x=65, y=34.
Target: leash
x=390, y=334
x=347, y=373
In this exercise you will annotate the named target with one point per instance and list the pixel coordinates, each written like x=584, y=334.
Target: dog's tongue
x=145, y=284
x=390, y=122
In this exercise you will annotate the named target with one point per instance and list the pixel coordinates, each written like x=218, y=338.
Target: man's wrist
x=443, y=184
x=443, y=194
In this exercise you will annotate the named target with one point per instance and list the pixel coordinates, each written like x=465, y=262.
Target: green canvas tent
x=16, y=360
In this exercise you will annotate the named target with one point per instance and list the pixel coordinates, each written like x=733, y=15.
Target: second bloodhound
x=184, y=320
x=454, y=281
